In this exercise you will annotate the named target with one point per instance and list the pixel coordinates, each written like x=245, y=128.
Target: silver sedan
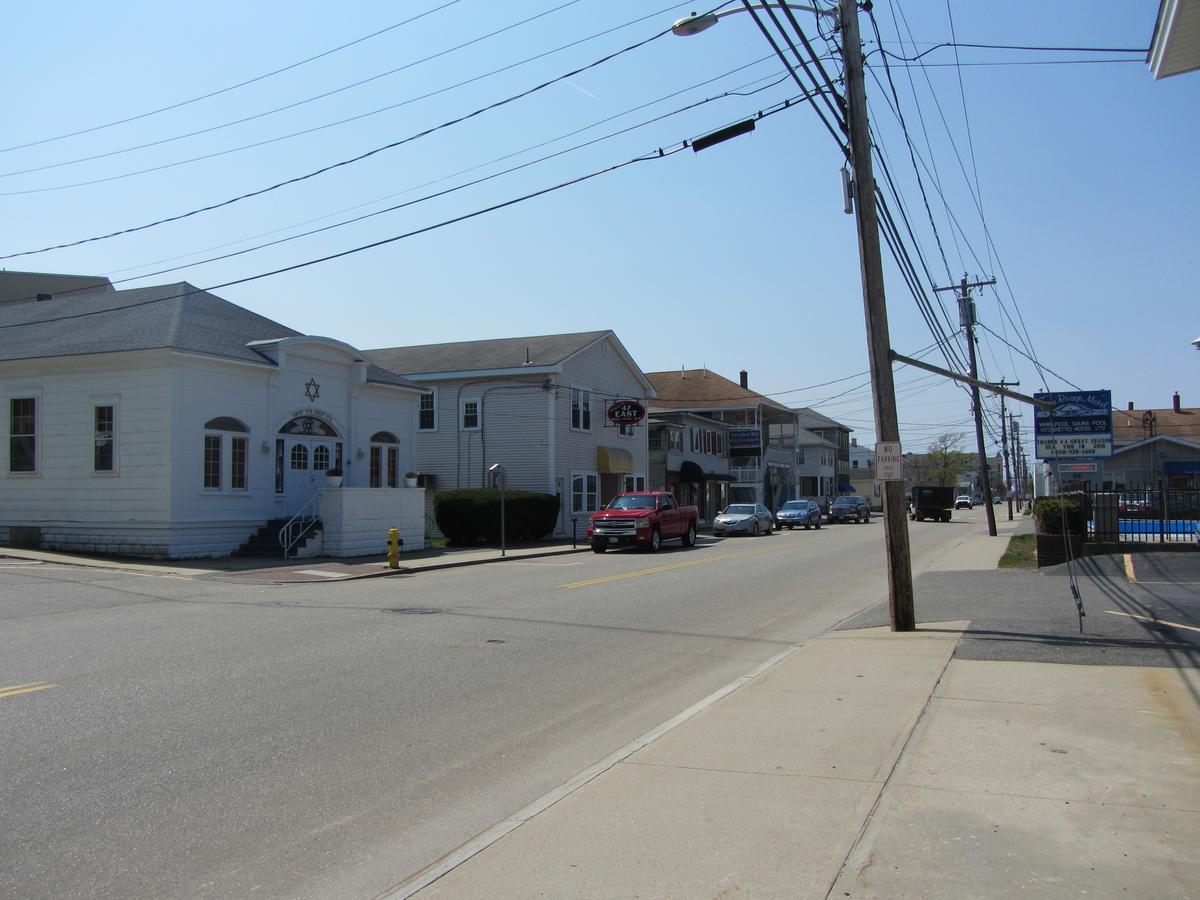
x=744, y=518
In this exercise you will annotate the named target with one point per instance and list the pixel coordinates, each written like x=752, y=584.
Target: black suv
x=850, y=509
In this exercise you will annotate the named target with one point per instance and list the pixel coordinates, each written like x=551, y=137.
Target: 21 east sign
x=626, y=412
x=1078, y=426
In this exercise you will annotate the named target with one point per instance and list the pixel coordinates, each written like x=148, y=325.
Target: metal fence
x=1143, y=515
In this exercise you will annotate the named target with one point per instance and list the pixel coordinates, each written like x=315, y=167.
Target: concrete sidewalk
x=874, y=764
x=263, y=570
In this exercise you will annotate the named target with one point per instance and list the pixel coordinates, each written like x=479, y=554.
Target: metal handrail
x=299, y=525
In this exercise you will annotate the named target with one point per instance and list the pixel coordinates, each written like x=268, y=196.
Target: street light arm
x=694, y=24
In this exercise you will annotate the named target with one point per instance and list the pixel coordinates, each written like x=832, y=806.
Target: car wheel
x=598, y=548
x=868, y=519
x=818, y=525
x=755, y=531
x=689, y=536
x=655, y=540
x=807, y=526
x=770, y=527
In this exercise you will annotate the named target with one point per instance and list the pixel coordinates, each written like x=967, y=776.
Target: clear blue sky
x=739, y=257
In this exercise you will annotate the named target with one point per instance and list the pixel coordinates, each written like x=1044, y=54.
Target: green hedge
x=1048, y=511
x=473, y=515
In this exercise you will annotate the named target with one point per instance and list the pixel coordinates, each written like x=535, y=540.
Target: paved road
x=190, y=737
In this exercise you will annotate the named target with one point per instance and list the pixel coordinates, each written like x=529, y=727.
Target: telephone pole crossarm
x=982, y=385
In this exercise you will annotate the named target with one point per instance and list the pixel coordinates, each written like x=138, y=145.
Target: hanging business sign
x=626, y=412
x=745, y=439
x=1078, y=427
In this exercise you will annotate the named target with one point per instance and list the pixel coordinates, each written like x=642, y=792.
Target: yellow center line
x=668, y=568
x=1113, y=612
x=25, y=688
x=1129, y=567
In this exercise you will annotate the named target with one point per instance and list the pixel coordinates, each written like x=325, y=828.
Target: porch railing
x=299, y=525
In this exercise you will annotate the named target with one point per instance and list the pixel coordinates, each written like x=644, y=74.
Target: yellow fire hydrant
x=394, y=543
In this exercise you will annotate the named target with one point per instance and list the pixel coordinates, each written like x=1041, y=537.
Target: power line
x=231, y=87
x=298, y=103
x=346, y=162
x=451, y=190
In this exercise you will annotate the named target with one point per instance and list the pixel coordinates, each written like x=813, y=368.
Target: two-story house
x=689, y=456
x=538, y=406
x=762, y=453
x=838, y=435
x=168, y=422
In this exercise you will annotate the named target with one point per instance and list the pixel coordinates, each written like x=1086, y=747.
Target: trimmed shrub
x=1048, y=511
x=472, y=515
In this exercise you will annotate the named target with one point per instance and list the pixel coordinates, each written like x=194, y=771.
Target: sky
x=521, y=169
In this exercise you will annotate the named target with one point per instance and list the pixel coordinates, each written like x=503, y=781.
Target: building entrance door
x=306, y=449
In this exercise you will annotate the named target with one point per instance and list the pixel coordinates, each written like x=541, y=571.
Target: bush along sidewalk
x=1050, y=513
x=472, y=515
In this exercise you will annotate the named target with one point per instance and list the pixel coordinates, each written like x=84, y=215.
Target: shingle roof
x=175, y=316
x=1133, y=425
x=702, y=389
x=810, y=418
x=478, y=356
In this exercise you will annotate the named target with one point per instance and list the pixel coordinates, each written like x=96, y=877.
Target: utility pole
x=966, y=315
x=1018, y=459
x=883, y=389
x=1008, y=478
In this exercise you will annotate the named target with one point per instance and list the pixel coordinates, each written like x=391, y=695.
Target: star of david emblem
x=312, y=390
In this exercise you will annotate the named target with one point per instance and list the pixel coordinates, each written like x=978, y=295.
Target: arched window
x=309, y=425
x=299, y=456
x=321, y=458
x=218, y=433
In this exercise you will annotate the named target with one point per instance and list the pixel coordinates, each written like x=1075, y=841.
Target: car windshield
x=844, y=501
x=794, y=504
x=644, y=502
x=739, y=510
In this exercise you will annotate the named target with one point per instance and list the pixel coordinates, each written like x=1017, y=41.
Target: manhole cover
x=413, y=610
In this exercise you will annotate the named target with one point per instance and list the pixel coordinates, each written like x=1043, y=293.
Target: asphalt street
x=189, y=737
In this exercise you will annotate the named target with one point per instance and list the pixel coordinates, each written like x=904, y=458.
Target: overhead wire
x=316, y=128
x=345, y=162
x=232, y=87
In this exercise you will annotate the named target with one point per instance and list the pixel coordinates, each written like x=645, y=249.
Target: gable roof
x=701, y=389
x=502, y=356
x=810, y=418
x=167, y=316
x=1130, y=426
x=1157, y=439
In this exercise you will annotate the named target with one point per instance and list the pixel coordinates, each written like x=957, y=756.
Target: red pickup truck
x=645, y=518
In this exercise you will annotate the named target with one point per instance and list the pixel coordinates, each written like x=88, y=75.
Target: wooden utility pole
x=966, y=315
x=887, y=426
x=1008, y=479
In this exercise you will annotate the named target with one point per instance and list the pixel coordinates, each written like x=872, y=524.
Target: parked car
x=744, y=518
x=962, y=501
x=642, y=518
x=850, y=508
x=1137, y=503
x=798, y=512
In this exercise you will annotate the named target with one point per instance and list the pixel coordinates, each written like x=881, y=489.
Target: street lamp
x=883, y=389
x=498, y=475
